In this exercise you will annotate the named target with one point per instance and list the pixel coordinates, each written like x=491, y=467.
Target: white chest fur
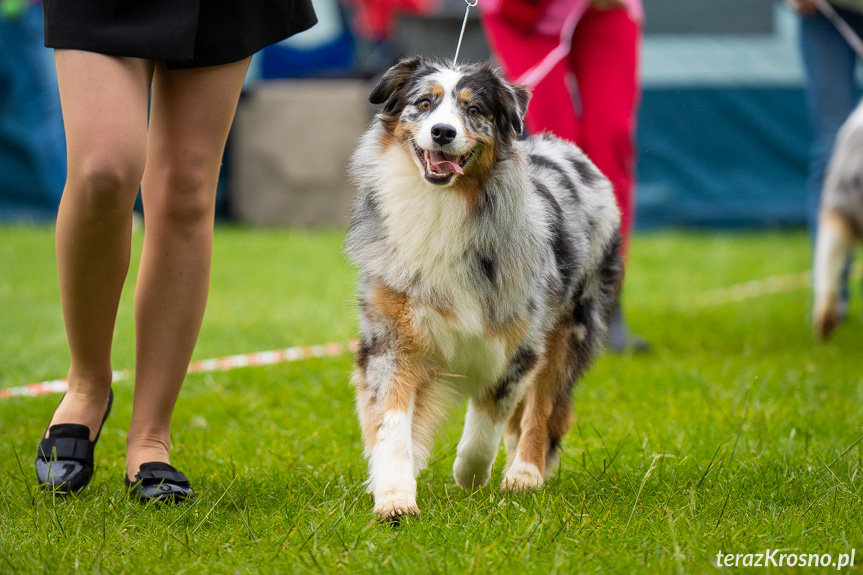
x=429, y=227
x=474, y=358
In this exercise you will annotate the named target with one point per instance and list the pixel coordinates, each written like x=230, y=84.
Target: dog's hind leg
x=512, y=435
x=559, y=421
x=833, y=243
x=546, y=410
x=487, y=417
x=527, y=463
x=478, y=446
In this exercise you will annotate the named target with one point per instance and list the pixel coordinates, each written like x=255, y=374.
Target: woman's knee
x=102, y=186
x=182, y=193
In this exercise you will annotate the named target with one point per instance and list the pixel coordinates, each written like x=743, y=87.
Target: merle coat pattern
x=840, y=223
x=489, y=268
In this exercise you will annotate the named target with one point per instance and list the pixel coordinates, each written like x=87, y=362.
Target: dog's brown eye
x=473, y=111
x=424, y=105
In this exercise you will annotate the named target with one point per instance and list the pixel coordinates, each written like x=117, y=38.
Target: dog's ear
x=390, y=86
x=520, y=97
x=511, y=101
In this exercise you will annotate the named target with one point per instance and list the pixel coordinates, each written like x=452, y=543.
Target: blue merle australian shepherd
x=489, y=268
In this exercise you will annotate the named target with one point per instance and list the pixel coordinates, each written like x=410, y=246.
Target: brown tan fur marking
x=404, y=132
x=512, y=434
x=412, y=368
x=437, y=91
x=838, y=222
x=511, y=332
x=541, y=401
x=471, y=186
x=368, y=410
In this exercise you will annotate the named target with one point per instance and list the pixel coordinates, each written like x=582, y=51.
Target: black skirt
x=184, y=33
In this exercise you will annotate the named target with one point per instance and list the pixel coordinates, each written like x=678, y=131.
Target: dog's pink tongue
x=443, y=166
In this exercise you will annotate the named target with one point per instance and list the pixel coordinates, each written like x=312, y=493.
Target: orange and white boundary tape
x=758, y=288
x=289, y=354
x=709, y=298
x=752, y=289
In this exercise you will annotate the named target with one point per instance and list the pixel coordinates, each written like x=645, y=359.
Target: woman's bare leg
x=191, y=115
x=104, y=101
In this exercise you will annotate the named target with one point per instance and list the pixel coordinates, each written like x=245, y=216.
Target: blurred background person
x=589, y=95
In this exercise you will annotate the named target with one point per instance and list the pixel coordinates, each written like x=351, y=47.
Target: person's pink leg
x=604, y=58
x=104, y=102
x=551, y=107
x=191, y=114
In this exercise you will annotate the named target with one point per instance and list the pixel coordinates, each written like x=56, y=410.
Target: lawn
x=739, y=434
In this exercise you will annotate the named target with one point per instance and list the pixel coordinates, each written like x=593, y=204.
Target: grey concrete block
x=290, y=148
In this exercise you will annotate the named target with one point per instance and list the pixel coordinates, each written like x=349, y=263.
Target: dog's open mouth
x=439, y=166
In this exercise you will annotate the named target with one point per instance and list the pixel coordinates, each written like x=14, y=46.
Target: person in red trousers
x=580, y=59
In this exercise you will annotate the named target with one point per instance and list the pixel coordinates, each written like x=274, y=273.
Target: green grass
x=738, y=434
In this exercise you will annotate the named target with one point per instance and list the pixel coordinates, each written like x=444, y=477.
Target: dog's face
x=452, y=121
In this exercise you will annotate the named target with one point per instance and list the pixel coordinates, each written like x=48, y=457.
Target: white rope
x=537, y=73
x=841, y=26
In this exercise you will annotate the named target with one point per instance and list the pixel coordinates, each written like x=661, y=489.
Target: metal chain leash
x=463, y=25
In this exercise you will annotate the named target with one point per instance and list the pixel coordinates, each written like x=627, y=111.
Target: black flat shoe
x=621, y=340
x=161, y=483
x=64, y=462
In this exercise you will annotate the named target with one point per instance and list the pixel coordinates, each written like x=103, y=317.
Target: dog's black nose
x=443, y=134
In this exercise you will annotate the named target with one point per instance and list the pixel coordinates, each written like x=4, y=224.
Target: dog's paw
x=393, y=510
x=521, y=476
x=470, y=477
x=825, y=319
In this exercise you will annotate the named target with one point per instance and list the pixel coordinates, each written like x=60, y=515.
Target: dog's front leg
x=395, y=399
x=387, y=386
x=391, y=465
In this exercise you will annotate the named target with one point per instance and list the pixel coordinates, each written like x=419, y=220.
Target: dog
x=490, y=267
x=840, y=223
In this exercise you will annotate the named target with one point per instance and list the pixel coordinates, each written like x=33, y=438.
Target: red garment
x=374, y=19
x=599, y=112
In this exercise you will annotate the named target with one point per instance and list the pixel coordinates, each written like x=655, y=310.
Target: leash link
x=469, y=4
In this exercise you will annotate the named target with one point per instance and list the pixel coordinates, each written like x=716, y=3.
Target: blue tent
x=32, y=146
